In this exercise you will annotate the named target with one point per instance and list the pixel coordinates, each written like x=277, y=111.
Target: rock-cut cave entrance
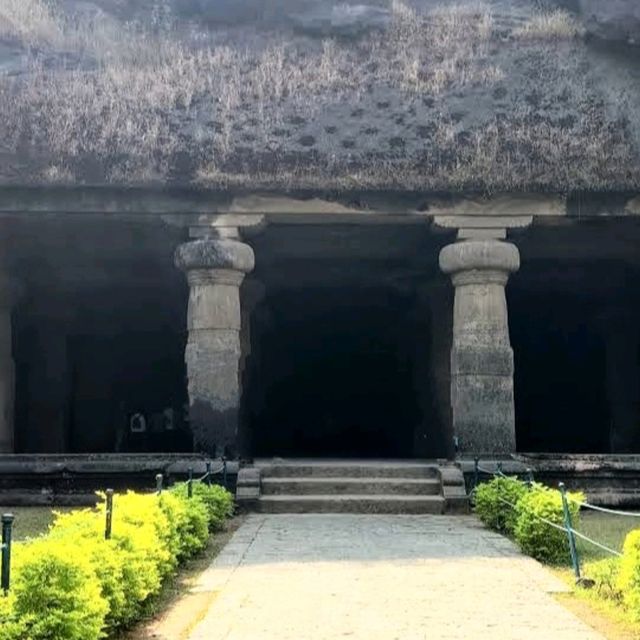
x=331, y=375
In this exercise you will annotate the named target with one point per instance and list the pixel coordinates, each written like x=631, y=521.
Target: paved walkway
x=312, y=577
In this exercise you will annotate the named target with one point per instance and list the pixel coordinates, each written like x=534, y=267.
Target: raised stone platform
x=61, y=479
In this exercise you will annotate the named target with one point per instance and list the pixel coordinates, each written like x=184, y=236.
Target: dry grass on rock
x=31, y=22
x=139, y=104
x=550, y=25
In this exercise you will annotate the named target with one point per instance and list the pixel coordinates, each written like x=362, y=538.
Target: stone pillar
x=622, y=344
x=251, y=294
x=49, y=387
x=215, y=268
x=432, y=379
x=8, y=291
x=481, y=355
x=440, y=305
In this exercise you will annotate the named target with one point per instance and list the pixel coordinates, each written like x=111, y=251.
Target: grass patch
x=605, y=616
x=607, y=529
x=550, y=25
x=32, y=521
x=601, y=615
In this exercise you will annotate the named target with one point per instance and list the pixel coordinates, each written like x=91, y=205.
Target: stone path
x=369, y=577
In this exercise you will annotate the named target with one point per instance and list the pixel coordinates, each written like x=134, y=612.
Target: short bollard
x=575, y=561
x=208, y=466
x=159, y=483
x=190, y=483
x=5, y=569
x=108, y=514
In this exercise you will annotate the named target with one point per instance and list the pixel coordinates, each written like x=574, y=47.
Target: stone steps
x=352, y=486
x=373, y=503
x=344, y=469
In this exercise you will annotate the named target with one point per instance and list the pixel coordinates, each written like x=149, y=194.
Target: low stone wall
x=74, y=479
x=606, y=479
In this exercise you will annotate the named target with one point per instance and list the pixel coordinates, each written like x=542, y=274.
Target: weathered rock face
x=315, y=94
x=617, y=20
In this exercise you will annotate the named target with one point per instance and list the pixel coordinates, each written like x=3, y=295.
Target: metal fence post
x=5, y=570
x=208, y=465
x=190, y=483
x=108, y=514
x=575, y=561
x=159, y=483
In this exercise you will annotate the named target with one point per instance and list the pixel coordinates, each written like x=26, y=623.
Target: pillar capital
x=218, y=254
x=479, y=261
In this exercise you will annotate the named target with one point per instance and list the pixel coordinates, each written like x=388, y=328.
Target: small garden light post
x=108, y=514
x=208, y=466
x=5, y=569
x=159, y=483
x=190, y=483
x=529, y=478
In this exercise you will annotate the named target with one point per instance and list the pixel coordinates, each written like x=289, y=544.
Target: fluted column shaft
x=481, y=355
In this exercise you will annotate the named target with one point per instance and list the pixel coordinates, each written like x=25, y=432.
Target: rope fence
x=7, y=519
x=567, y=527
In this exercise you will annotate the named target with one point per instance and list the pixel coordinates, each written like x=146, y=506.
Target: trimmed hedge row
x=524, y=520
x=72, y=584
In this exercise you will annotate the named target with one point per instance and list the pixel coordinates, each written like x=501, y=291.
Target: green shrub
x=218, y=501
x=72, y=584
x=537, y=538
x=490, y=502
x=190, y=523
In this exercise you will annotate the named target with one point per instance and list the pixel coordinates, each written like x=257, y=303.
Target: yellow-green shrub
x=536, y=537
x=605, y=575
x=55, y=592
x=628, y=578
x=492, y=502
x=11, y=627
x=72, y=584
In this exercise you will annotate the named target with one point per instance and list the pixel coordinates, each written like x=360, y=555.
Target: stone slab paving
x=373, y=577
